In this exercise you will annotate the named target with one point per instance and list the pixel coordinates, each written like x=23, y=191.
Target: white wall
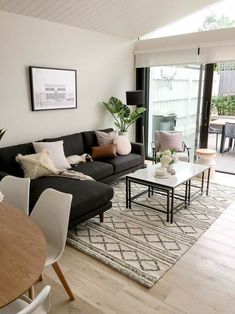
x=104, y=67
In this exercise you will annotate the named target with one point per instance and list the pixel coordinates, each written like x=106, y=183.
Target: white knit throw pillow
x=37, y=165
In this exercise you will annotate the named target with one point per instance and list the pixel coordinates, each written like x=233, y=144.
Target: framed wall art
x=53, y=88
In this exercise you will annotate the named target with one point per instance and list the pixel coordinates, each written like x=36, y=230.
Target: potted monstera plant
x=122, y=114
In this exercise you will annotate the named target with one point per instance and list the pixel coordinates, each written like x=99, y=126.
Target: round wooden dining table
x=23, y=251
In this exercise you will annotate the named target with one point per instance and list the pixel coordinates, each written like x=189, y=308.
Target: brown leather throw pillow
x=104, y=151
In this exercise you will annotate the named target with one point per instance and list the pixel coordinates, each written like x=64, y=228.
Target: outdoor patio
x=225, y=162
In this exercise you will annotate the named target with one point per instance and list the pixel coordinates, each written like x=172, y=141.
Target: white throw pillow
x=57, y=153
x=37, y=165
x=123, y=145
x=104, y=138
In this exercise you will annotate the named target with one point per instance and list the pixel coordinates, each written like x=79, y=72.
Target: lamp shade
x=135, y=98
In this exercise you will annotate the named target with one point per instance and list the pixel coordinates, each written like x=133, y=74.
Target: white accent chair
x=51, y=214
x=16, y=191
x=23, y=305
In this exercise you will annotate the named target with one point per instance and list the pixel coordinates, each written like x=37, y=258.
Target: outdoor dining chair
x=229, y=132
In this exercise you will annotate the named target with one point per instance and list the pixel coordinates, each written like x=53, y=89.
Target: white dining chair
x=51, y=214
x=16, y=191
x=23, y=305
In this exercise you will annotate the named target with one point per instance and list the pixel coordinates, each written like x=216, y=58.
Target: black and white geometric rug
x=138, y=242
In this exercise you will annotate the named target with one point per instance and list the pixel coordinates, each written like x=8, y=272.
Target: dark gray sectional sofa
x=90, y=198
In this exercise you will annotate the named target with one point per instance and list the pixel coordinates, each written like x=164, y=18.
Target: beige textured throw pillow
x=123, y=145
x=104, y=138
x=57, y=153
x=37, y=165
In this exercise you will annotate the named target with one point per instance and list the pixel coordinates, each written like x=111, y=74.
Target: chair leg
x=40, y=278
x=31, y=293
x=64, y=282
x=101, y=217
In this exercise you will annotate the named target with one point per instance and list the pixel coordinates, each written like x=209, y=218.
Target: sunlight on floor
x=224, y=179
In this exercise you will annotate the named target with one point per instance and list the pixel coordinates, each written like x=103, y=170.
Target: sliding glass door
x=174, y=102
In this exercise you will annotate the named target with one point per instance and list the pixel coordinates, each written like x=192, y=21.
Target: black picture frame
x=52, y=88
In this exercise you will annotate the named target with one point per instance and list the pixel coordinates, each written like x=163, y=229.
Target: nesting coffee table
x=184, y=173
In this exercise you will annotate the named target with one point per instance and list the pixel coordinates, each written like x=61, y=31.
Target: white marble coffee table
x=184, y=173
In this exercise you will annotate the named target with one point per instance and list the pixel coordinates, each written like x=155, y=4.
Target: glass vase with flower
x=167, y=158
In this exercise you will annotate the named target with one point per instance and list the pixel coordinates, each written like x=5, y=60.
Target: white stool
x=206, y=157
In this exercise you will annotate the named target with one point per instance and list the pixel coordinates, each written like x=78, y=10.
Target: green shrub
x=225, y=105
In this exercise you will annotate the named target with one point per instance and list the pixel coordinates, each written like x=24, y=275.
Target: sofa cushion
x=104, y=138
x=90, y=139
x=87, y=195
x=95, y=169
x=73, y=144
x=121, y=163
x=104, y=151
x=8, y=163
x=57, y=153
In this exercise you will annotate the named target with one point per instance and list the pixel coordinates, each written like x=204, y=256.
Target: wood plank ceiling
x=124, y=18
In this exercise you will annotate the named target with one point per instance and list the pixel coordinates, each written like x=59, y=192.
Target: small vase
x=170, y=169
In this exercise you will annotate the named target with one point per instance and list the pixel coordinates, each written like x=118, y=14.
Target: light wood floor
x=201, y=282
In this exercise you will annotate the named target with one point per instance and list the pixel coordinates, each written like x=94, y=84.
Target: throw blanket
x=74, y=174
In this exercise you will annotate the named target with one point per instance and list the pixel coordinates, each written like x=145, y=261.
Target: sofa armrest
x=138, y=148
x=3, y=174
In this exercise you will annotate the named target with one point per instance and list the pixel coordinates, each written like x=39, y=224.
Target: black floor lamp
x=136, y=98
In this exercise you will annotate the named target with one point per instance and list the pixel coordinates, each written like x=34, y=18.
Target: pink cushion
x=123, y=145
x=169, y=140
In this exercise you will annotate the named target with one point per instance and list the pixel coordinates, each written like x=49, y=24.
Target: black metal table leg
x=202, y=182
x=208, y=181
x=189, y=192
x=149, y=191
x=168, y=207
x=172, y=205
x=127, y=192
x=186, y=195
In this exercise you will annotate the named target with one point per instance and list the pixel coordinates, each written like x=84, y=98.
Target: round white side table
x=206, y=157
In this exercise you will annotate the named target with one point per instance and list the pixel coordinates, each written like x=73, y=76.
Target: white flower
x=1, y=196
x=167, y=152
x=166, y=159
